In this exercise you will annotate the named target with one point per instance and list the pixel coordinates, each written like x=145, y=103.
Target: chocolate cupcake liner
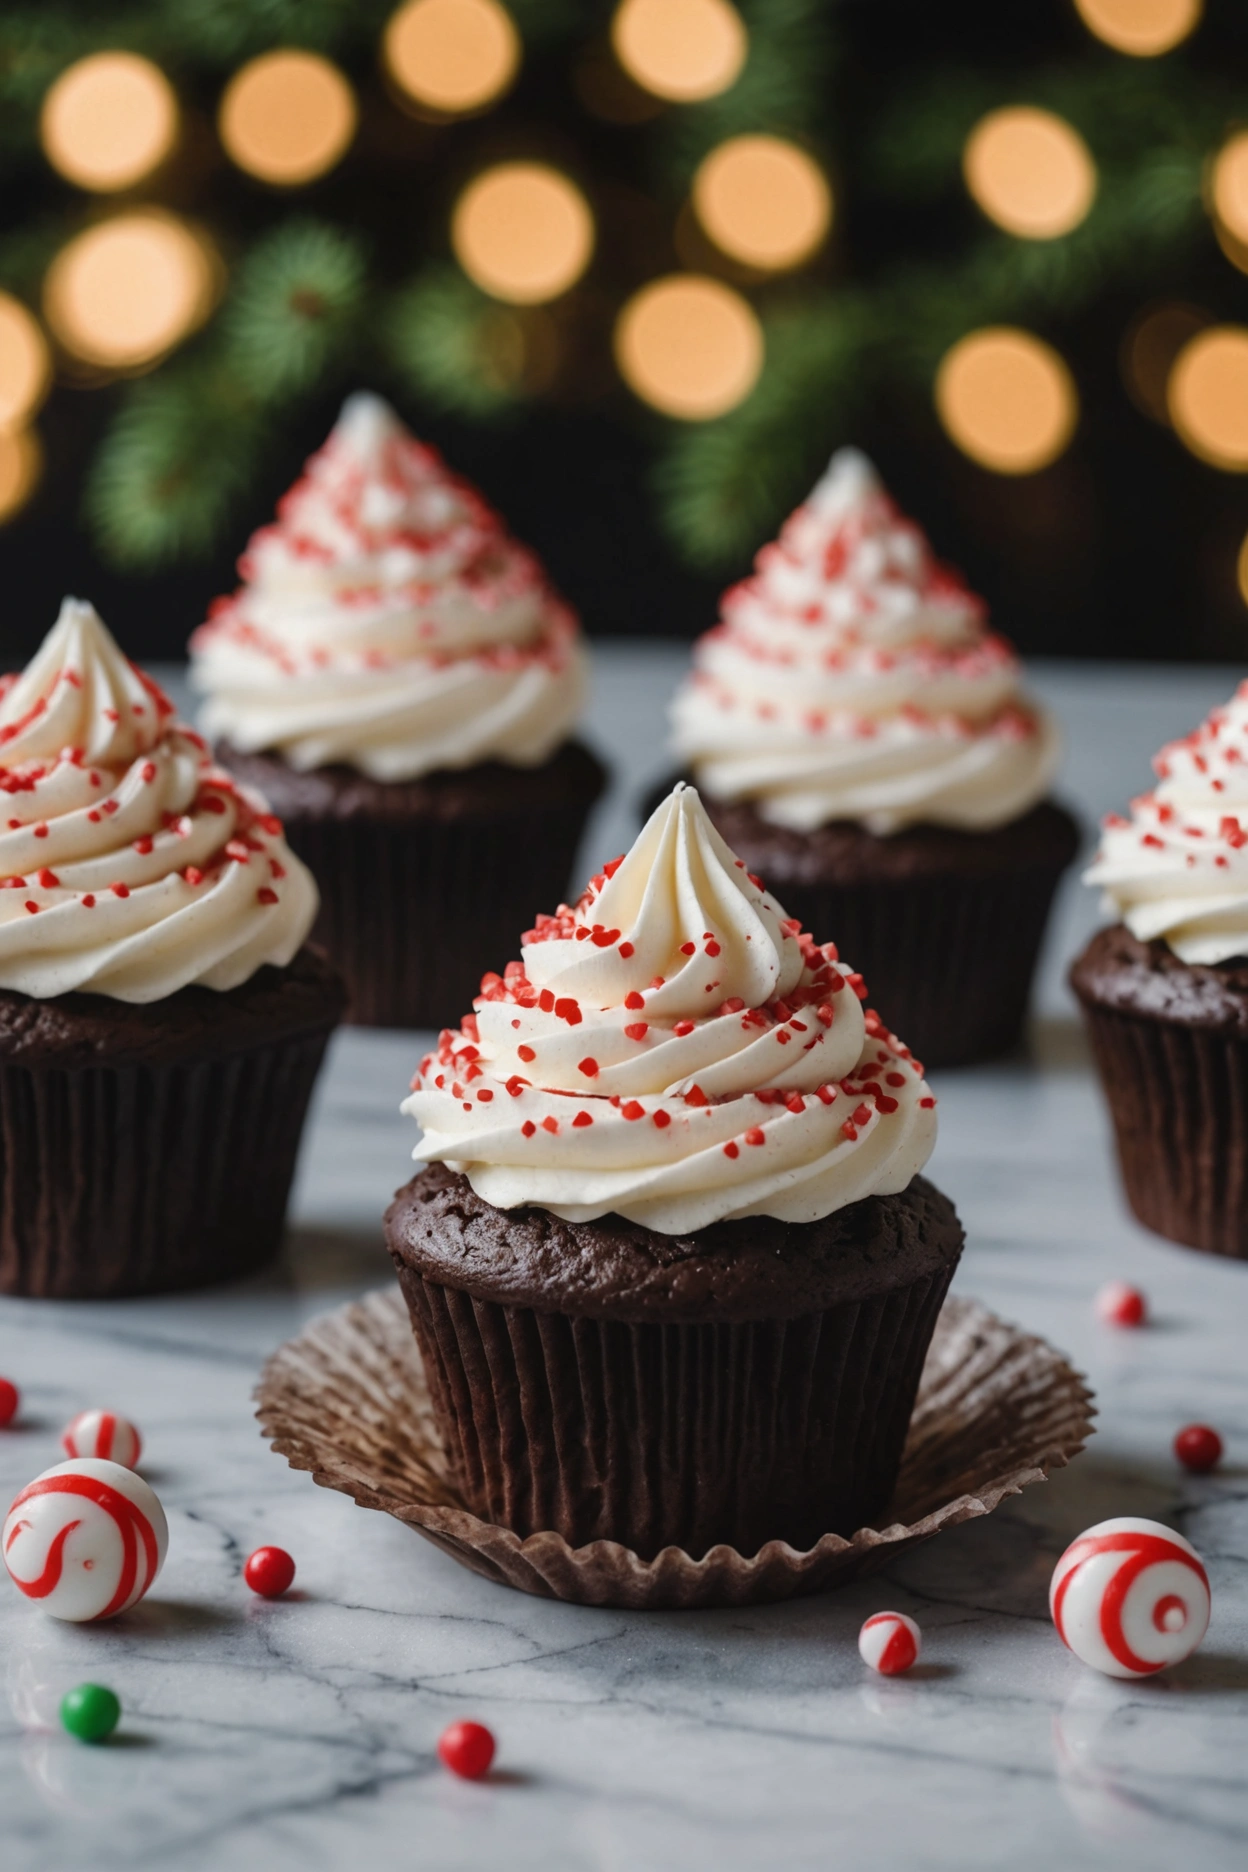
x=685, y=1434
x=948, y=960
x=348, y=1400
x=1178, y=1097
x=145, y=1179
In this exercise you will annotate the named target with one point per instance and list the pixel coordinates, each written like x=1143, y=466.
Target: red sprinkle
x=589, y=1067
x=712, y=948
x=88, y=902
x=626, y=950
x=682, y=1028
x=551, y=1125
x=928, y=1104
x=48, y=880
x=756, y=1135
x=266, y=896
x=41, y=831
x=193, y=874
x=632, y=1111
x=731, y=1150
x=120, y=890
x=662, y=1118
x=527, y=1128
x=696, y=1096
x=687, y=948
x=526, y=1053
x=581, y=1120
x=637, y=1030
x=849, y=1129
x=32, y=907
x=634, y=1000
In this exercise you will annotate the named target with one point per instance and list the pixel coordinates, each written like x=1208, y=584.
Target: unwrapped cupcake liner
x=415, y=910
x=348, y=1400
x=1178, y=1097
x=146, y=1179
x=685, y=1434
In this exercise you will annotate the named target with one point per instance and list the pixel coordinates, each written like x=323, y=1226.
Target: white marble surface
x=277, y=1737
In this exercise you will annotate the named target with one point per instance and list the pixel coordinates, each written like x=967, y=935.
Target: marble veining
x=300, y=1734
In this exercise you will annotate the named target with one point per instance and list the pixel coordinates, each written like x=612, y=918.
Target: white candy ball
x=890, y=1643
x=102, y=1433
x=1129, y=1597
x=85, y=1540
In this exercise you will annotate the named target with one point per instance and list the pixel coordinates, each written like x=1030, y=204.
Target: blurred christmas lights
x=128, y=289
x=523, y=232
x=1150, y=345
x=763, y=201
x=689, y=346
x=1208, y=396
x=108, y=121
x=1029, y=171
x=25, y=364
x=1006, y=399
x=451, y=57
x=21, y=464
x=287, y=117
x=1228, y=188
x=1142, y=28
x=681, y=50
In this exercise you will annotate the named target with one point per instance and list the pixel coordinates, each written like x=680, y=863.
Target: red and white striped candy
x=1129, y=1597
x=890, y=1643
x=85, y=1540
x=102, y=1433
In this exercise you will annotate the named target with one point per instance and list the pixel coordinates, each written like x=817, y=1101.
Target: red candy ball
x=467, y=1749
x=269, y=1571
x=1198, y=1447
x=1120, y=1305
x=9, y=1401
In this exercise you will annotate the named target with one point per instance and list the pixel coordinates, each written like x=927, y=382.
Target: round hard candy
x=1198, y=1446
x=467, y=1749
x=1120, y=1305
x=105, y=1434
x=269, y=1571
x=90, y=1711
x=85, y=1540
x=1129, y=1597
x=890, y=1643
x=10, y=1398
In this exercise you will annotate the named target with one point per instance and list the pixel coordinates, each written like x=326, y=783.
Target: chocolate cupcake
x=671, y=1266
x=397, y=677
x=1164, y=991
x=161, y=1022
x=859, y=737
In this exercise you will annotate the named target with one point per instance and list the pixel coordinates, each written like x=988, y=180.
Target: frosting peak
x=388, y=620
x=1178, y=867
x=129, y=865
x=676, y=1050
x=853, y=677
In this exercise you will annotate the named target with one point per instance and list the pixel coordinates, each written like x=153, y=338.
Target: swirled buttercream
x=852, y=677
x=677, y=1051
x=130, y=865
x=1178, y=867
x=388, y=621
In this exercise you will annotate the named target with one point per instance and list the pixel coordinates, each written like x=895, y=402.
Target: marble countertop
x=299, y=1735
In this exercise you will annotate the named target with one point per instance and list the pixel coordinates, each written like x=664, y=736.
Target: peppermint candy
x=102, y=1433
x=890, y=1643
x=1129, y=1597
x=85, y=1540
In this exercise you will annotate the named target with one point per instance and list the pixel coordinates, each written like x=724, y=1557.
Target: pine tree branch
x=295, y=309
x=458, y=349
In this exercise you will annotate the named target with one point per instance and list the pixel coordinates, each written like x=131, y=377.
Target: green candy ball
x=90, y=1712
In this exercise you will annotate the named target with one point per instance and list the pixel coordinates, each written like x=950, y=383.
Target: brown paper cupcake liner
x=1178, y=1097
x=146, y=1179
x=685, y=1434
x=427, y=885
x=348, y=1400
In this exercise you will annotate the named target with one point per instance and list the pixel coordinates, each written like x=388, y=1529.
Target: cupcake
x=397, y=677
x=860, y=738
x=671, y=1266
x=161, y=1022
x=1164, y=989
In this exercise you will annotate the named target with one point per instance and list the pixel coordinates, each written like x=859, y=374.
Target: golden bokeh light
x=1007, y=399
x=1236, y=250
x=287, y=117
x=108, y=121
x=21, y=464
x=1229, y=186
x=1208, y=396
x=124, y=292
x=689, y=346
x=681, y=50
x=1241, y=569
x=1150, y=345
x=763, y=201
x=452, y=57
x=523, y=232
x=1142, y=28
x=25, y=363
x=1029, y=171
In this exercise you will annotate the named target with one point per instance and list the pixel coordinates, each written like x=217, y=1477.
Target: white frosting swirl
x=676, y=1051
x=852, y=677
x=389, y=621
x=1178, y=867
x=130, y=865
